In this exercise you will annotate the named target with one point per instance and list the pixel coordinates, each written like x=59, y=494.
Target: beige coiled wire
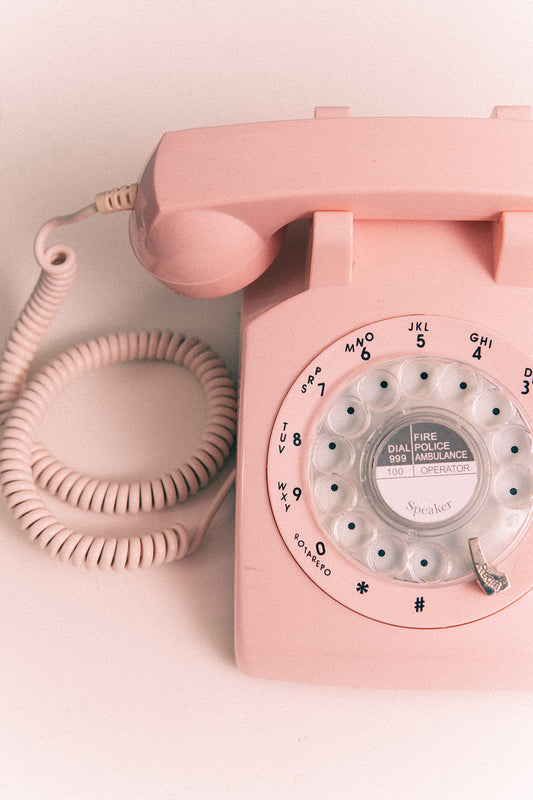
x=26, y=464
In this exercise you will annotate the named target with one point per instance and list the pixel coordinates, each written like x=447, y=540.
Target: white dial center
x=425, y=471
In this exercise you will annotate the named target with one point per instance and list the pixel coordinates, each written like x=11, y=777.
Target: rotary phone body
x=385, y=467
x=384, y=488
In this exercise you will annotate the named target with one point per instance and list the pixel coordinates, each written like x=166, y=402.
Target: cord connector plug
x=122, y=199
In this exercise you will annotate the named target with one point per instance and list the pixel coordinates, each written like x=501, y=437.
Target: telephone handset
x=212, y=203
x=385, y=461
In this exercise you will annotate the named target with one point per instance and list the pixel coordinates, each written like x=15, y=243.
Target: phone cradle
x=407, y=336
x=353, y=553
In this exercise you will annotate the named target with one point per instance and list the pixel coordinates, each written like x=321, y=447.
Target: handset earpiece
x=203, y=253
x=198, y=224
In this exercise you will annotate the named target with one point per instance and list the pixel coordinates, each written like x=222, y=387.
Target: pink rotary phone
x=385, y=461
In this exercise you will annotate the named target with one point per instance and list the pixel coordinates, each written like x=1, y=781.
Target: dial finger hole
x=513, y=444
x=354, y=531
x=418, y=378
x=459, y=385
x=515, y=488
x=333, y=454
x=334, y=494
x=492, y=409
x=379, y=389
x=430, y=563
x=348, y=417
x=388, y=554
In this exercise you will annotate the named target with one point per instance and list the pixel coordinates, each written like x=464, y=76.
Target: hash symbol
x=362, y=587
x=419, y=604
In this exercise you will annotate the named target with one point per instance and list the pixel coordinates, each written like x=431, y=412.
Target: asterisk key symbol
x=362, y=587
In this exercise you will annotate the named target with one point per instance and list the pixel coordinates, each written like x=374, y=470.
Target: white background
x=124, y=686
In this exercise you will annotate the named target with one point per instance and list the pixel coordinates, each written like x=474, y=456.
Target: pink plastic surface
x=285, y=626
x=424, y=196
x=212, y=202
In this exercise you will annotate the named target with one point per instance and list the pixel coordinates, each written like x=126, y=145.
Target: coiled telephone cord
x=26, y=464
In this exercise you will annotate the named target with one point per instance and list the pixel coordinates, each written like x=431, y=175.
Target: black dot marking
x=332, y=446
x=351, y=526
x=424, y=376
x=381, y=553
x=383, y=384
x=350, y=410
x=495, y=411
x=514, y=449
x=463, y=385
x=513, y=491
x=424, y=562
x=334, y=487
